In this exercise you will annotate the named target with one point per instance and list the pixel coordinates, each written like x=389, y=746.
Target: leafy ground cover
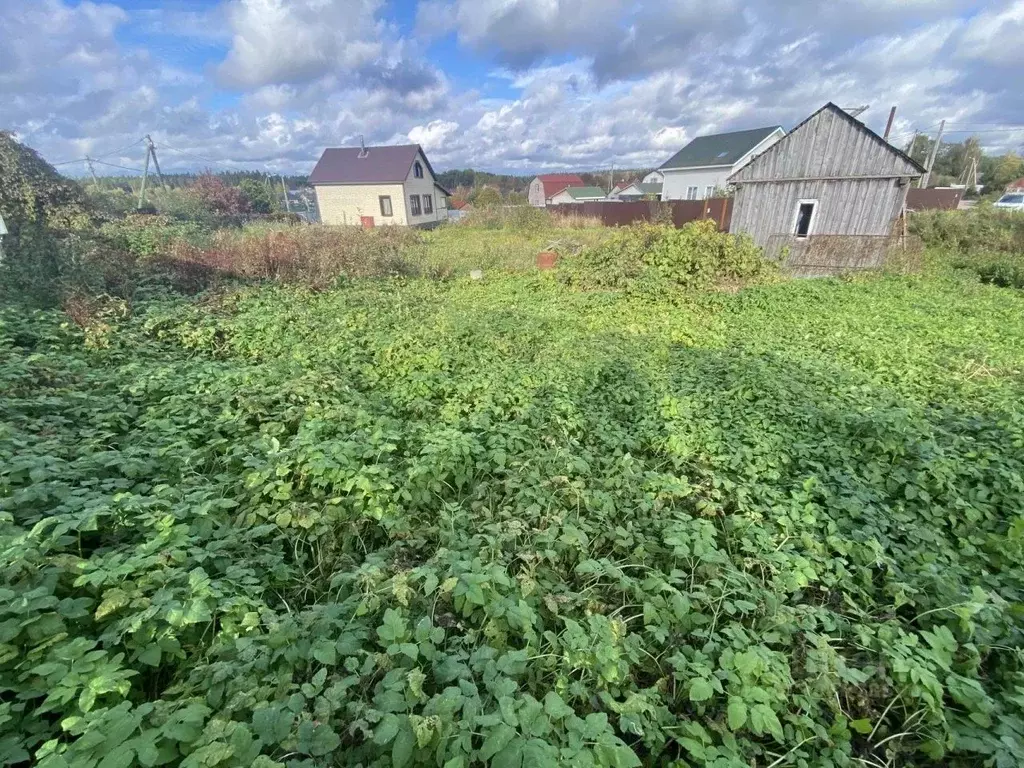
x=408, y=522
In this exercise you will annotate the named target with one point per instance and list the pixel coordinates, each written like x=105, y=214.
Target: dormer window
x=417, y=170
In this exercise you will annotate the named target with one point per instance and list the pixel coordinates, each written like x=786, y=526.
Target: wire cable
x=122, y=149
x=189, y=154
x=115, y=165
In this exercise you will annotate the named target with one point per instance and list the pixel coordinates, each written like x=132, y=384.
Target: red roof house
x=1016, y=186
x=548, y=185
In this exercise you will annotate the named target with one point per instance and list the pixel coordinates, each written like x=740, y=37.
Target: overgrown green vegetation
x=658, y=258
x=985, y=240
x=507, y=522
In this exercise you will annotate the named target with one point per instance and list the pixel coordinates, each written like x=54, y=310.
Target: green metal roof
x=577, y=193
x=719, y=149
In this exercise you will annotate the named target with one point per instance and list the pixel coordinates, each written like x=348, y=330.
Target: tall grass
x=984, y=240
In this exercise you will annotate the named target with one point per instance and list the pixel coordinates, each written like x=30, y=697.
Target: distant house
x=1015, y=186
x=829, y=193
x=654, y=177
x=547, y=185
x=640, y=191
x=577, y=195
x=704, y=165
x=372, y=186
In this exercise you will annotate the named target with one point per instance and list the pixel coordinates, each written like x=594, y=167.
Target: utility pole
x=888, y=125
x=931, y=158
x=145, y=174
x=92, y=170
x=287, y=204
x=156, y=163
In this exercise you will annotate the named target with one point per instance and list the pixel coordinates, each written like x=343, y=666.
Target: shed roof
x=754, y=168
x=718, y=149
x=378, y=165
x=581, y=193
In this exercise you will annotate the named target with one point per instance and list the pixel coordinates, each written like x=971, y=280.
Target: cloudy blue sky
x=503, y=85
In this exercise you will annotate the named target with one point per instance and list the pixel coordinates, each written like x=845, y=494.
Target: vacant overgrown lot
x=408, y=522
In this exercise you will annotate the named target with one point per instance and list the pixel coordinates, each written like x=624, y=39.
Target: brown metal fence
x=680, y=212
x=932, y=199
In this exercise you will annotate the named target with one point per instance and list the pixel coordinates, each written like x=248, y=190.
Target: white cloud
x=288, y=41
x=433, y=135
x=995, y=35
x=582, y=85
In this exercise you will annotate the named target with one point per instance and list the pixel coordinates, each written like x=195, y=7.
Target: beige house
x=372, y=186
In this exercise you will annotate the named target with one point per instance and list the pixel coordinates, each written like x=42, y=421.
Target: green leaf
x=387, y=729
x=497, y=739
x=121, y=757
x=324, y=741
x=324, y=652
x=736, y=713
x=861, y=726
x=151, y=656
x=555, y=707
x=401, y=750
x=700, y=690
x=511, y=756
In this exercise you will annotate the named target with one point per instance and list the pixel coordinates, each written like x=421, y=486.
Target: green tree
x=261, y=198
x=486, y=197
x=517, y=198
x=1002, y=171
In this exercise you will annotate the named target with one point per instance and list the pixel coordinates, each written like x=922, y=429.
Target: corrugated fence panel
x=940, y=199
x=617, y=214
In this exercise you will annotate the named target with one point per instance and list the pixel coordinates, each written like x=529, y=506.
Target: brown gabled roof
x=554, y=183
x=1018, y=184
x=375, y=165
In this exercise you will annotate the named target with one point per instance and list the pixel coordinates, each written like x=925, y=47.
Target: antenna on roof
x=362, y=146
x=854, y=111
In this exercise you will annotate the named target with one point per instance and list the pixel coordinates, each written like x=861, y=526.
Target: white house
x=372, y=186
x=577, y=195
x=705, y=164
x=654, y=177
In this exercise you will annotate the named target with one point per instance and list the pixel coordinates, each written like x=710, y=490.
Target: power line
x=115, y=165
x=122, y=149
x=69, y=162
x=189, y=154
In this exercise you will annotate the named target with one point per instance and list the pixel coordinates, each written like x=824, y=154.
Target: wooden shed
x=829, y=195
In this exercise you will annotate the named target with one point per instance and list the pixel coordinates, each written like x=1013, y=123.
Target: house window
x=428, y=203
x=805, y=210
x=691, y=193
x=414, y=204
x=709, y=191
x=417, y=170
x=385, y=205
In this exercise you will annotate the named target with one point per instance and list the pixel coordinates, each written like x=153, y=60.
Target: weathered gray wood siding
x=860, y=183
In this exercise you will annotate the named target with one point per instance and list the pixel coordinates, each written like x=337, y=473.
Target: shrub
x=314, y=256
x=981, y=229
x=655, y=257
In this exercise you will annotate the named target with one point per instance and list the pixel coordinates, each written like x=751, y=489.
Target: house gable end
x=829, y=144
